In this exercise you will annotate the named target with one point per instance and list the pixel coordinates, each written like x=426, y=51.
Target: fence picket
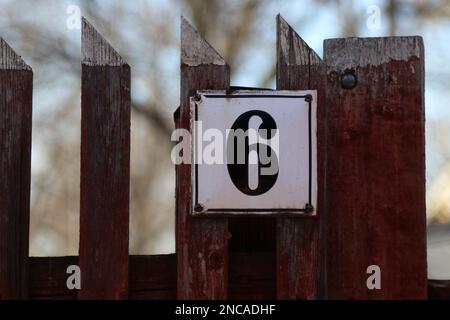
x=16, y=90
x=202, y=244
x=105, y=169
x=299, y=240
x=376, y=167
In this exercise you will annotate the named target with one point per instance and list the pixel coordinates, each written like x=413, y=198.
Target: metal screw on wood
x=348, y=81
x=197, y=97
x=199, y=207
x=309, y=208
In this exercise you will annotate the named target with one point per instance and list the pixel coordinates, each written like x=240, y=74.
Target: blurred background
x=146, y=33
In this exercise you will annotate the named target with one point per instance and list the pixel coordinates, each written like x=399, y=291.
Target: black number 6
x=239, y=149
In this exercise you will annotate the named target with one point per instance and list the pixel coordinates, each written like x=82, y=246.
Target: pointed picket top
x=95, y=50
x=195, y=50
x=9, y=59
x=292, y=49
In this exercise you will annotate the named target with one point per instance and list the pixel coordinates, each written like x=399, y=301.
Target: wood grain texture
x=300, y=269
x=201, y=243
x=16, y=86
x=48, y=278
x=376, y=168
x=105, y=170
x=151, y=277
x=155, y=277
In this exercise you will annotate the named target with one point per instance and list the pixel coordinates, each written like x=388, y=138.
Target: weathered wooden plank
x=151, y=277
x=155, y=277
x=105, y=169
x=16, y=91
x=376, y=168
x=439, y=289
x=252, y=276
x=202, y=243
x=48, y=278
x=299, y=246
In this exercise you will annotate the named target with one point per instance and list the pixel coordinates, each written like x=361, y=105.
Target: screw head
x=309, y=208
x=348, y=81
x=308, y=98
x=197, y=97
x=199, y=207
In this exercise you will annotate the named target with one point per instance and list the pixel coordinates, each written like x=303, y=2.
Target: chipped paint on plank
x=370, y=51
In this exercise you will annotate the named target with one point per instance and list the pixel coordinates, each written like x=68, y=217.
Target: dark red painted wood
x=252, y=276
x=154, y=277
x=376, y=168
x=48, y=278
x=252, y=234
x=300, y=269
x=439, y=289
x=105, y=169
x=16, y=86
x=202, y=243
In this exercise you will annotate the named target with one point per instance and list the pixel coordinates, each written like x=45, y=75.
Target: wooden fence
x=371, y=178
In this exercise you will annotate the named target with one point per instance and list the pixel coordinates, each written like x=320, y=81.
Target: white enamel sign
x=254, y=152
